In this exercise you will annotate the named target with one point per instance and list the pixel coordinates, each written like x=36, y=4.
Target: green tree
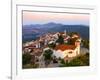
x=60, y=39
x=52, y=45
x=26, y=58
x=85, y=43
x=82, y=60
x=72, y=41
x=48, y=54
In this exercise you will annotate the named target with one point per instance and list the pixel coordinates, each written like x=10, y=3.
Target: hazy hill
x=33, y=31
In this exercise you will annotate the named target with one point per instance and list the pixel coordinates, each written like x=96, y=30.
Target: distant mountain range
x=33, y=31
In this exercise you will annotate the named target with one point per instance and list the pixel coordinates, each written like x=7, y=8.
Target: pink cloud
x=43, y=16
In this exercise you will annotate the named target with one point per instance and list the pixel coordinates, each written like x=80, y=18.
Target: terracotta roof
x=30, y=46
x=64, y=47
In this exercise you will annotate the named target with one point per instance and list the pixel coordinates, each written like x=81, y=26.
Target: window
x=70, y=52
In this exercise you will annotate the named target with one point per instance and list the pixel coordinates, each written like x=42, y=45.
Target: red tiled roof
x=64, y=47
x=30, y=46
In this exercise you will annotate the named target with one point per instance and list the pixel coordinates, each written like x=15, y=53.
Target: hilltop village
x=49, y=49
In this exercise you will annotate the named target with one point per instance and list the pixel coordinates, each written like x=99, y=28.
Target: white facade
x=69, y=53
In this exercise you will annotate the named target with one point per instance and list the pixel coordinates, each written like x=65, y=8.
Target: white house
x=63, y=50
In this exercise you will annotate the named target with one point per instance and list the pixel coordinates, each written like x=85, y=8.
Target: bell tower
x=65, y=32
x=77, y=44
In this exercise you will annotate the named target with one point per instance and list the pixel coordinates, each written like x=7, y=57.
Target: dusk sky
x=45, y=17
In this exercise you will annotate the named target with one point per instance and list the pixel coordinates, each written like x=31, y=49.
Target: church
x=67, y=51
